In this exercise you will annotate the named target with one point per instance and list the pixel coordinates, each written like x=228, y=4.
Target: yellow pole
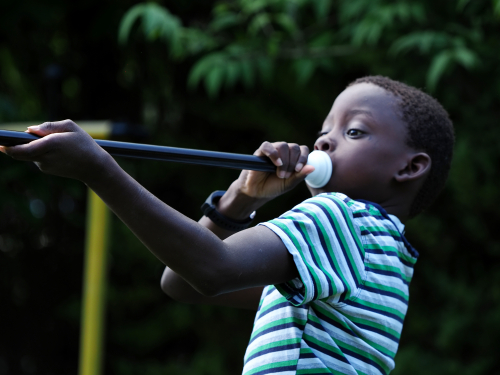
x=91, y=338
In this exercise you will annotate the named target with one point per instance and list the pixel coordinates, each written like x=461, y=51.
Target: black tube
x=164, y=153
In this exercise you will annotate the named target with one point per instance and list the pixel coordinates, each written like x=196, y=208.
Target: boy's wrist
x=236, y=205
x=101, y=173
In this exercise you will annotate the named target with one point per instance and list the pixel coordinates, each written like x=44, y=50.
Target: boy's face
x=366, y=140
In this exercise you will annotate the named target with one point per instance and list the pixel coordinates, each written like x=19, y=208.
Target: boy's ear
x=417, y=166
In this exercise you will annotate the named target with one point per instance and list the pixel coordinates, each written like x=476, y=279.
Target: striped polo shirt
x=344, y=314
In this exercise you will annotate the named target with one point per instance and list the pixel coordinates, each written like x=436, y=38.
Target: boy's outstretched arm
x=250, y=258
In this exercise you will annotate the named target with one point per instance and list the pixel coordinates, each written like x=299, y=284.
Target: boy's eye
x=354, y=133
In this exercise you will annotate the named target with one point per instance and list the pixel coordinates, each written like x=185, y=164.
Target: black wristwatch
x=209, y=210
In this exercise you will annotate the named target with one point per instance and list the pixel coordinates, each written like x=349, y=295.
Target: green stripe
x=381, y=307
x=277, y=301
x=384, y=328
x=383, y=229
x=271, y=366
x=364, y=355
x=352, y=232
x=318, y=371
x=401, y=255
x=386, y=288
x=287, y=231
x=277, y=323
x=315, y=253
x=380, y=348
x=385, y=267
x=324, y=345
x=319, y=285
x=330, y=316
x=274, y=345
x=354, y=320
x=330, y=250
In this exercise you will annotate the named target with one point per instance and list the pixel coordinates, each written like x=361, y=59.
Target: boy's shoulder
x=354, y=208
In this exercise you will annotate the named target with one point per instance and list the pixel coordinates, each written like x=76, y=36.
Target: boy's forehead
x=369, y=99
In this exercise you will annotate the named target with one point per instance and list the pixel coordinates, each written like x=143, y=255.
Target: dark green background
x=453, y=324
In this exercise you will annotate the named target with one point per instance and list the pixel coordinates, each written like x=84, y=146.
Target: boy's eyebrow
x=354, y=112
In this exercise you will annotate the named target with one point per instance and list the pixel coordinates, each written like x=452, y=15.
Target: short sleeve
x=325, y=243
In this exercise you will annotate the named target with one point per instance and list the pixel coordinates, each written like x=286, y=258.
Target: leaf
x=461, y=4
x=438, y=66
x=248, y=75
x=203, y=67
x=424, y=41
x=253, y=6
x=265, y=67
x=157, y=22
x=322, y=8
x=466, y=57
x=127, y=22
x=259, y=22
x=213, y=80
x=233, y=73
x=304, y=69
x=324, y=39
x=496, y=7
x=225, y=21
x=196, y=41
x=286, y=22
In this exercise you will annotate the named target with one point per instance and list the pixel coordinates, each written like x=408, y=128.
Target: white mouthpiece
x=322, y=169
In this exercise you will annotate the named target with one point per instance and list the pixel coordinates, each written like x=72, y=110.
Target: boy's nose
x=323, y=145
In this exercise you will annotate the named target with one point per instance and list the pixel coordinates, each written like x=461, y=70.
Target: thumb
x=46, y=128
x=295, y=178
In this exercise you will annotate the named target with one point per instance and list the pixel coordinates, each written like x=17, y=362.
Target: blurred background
x=226, y=76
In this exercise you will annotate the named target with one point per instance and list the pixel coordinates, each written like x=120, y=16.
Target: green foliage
x=244, y=34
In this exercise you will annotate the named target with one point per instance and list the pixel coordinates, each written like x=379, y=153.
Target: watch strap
x=209, y=210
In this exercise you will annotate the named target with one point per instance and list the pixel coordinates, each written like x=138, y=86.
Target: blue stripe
x=381, y=234
x=390, y=253
x=308, y=246
x=344, y=250
x=379, y=331
x=278, y=328
x=387, y=273
x=364, y=359
x=331, y=322
x=276, y=369
x=299, y=229
x=280, y=306
x=385, y=293
x=275, y=349
x=386, y=216
x=378, y=311
x=326, y=351
x=347, y=220
x=324, y=247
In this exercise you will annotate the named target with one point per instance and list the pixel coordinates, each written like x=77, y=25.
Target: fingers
x=29, y=151
x=54, y=127
x=290, y=158
x=34, y=150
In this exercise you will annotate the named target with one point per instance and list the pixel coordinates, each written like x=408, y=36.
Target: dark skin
x=363, y=134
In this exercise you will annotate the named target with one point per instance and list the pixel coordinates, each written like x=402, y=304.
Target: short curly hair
x=430, y=130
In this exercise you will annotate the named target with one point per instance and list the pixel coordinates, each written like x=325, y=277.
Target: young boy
x=330, y=277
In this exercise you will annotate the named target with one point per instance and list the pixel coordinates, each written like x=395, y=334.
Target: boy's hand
x=64, y=150
x=290, y=159
x=253, y=189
